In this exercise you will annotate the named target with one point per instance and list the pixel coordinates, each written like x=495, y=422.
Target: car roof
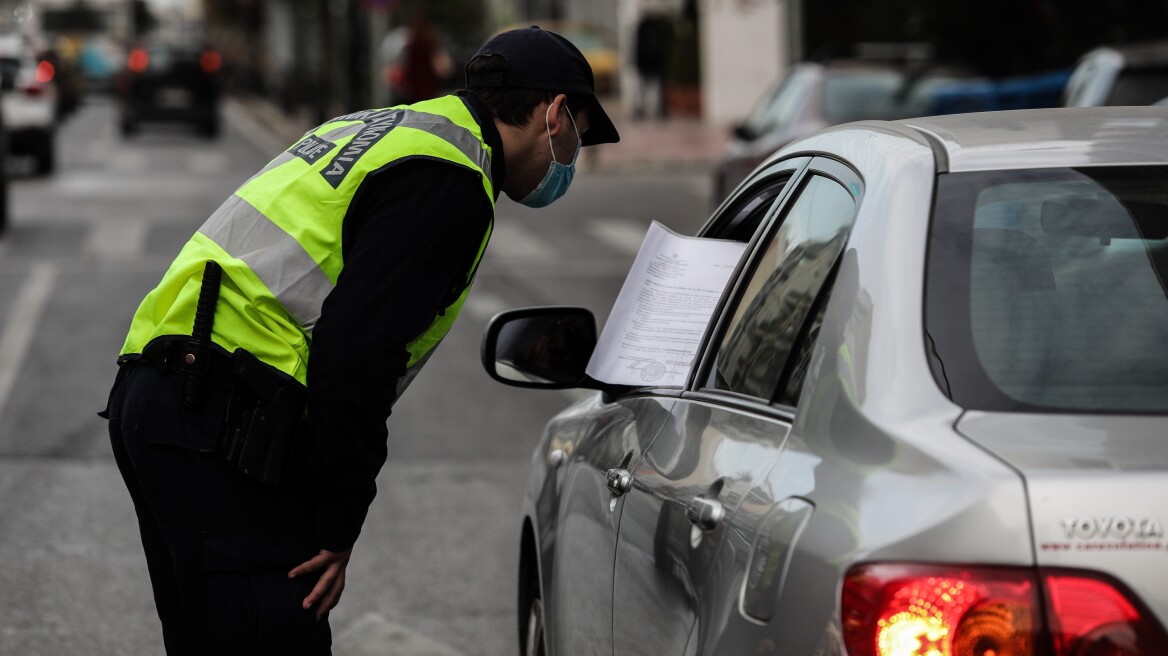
x=1151, y=54
x=1032, y=138
x=1050, y=137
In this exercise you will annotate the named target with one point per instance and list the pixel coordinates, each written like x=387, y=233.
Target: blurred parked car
x=928, y=416
x=28, y=93
x=814, y=95
x=1119, y=75
x=168, y=82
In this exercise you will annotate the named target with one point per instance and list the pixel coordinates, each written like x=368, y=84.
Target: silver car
x=929, y=416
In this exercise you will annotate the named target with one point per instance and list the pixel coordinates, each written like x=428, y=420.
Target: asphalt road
x=434, y=570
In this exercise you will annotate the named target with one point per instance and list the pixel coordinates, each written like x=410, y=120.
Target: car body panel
x=981, y=142
x=588, y=518
x=1096, y=490
x=663, y=558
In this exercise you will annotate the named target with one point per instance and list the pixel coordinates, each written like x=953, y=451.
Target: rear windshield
x=1140, y=86
x=1047, y=290
x=872, y=95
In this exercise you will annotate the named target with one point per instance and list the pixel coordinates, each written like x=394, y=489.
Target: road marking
x=484, y=305
x=514, y=242
x=373, y=635
x=624, y=235
x=118, y=237
x=23, y=318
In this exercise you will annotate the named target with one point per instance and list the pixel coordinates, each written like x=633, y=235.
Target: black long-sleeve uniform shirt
x=409, y=240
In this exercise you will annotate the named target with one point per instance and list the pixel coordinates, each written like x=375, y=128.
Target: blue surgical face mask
x=558, y=178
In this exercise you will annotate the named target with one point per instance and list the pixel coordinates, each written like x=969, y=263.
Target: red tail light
x=210, y=61
x=45, y=72
x=1090, y=616
x=138, y=60
x=925, y=610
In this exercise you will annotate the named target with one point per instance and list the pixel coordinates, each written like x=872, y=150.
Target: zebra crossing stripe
x=623, y=235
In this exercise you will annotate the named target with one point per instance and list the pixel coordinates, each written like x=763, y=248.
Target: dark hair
x=511, y=105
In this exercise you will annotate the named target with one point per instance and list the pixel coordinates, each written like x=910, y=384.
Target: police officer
x=248, y=417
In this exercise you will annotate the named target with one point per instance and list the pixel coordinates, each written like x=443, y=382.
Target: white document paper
x=652, y=334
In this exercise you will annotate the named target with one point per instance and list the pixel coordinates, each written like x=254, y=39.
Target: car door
x=579, y=615
x=729, y=429
x=596, y=474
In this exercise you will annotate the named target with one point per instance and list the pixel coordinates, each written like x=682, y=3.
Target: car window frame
x=763, y=177
x=728, y=210
x=819, y=165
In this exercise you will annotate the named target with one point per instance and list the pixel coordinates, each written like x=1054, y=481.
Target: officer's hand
x=328, y=589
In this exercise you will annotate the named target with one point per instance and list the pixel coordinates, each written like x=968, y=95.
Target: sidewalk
x=681, y=144
x=674, y=145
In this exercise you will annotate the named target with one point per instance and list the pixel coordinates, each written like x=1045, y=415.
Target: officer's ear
x=557, y=115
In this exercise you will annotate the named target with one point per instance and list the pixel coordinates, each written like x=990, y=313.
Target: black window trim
x=821, y=165
x=794, y=166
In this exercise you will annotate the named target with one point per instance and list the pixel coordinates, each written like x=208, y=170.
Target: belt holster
x=264, y=407
x=264, y=414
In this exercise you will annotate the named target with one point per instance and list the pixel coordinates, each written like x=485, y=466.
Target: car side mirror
x=541, y=347
x=744, y=132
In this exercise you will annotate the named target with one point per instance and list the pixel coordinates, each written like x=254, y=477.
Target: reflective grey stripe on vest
x=439, y=126
x=454, y=134
x=277, y=259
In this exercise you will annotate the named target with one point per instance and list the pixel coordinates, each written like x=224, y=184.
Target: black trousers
x=218, y=544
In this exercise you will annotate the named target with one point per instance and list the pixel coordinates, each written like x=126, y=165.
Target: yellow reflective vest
x=278, y=237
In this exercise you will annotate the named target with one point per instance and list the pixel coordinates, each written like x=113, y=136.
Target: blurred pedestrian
x=422, y=65
x=651, y=47
x=248, y=416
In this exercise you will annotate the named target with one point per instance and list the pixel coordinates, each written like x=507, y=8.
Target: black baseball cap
x=545, y=61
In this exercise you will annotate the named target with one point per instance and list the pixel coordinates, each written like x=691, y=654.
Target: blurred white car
x=28, y=94
x=1127, y=75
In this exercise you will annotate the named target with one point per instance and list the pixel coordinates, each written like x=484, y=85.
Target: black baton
x=196, y=356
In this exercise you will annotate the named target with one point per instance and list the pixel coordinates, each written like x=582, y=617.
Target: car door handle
x=619, y=481
x=705, y=513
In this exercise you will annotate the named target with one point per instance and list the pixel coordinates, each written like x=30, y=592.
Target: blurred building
x=325, y=57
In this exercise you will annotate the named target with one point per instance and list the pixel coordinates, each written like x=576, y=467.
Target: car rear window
x=876, y=95
x=167, y=58
x=1047, y=290
x=1140, y=86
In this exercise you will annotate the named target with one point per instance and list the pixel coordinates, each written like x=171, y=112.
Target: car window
x=742, y=218
x=791, y=384
x=776, y=298
x=854, y=96
x=1140, y=86
x=1047, y=290
x=779, y=110
x=9, y=70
